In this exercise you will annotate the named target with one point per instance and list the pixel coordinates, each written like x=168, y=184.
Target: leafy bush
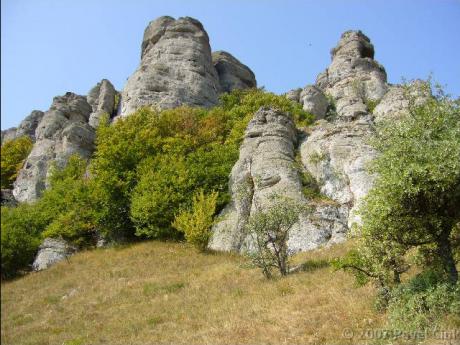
x=69, y=204
x=196, y=224
x=20, y=237
x=423, y=303
x=13, y=154
x=164, y=186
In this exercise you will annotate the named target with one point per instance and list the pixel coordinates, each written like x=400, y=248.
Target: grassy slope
x=157, y=292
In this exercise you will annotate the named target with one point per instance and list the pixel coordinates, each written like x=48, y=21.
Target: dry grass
x=167, y=293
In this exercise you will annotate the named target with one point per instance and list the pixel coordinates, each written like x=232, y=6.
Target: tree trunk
x=447, y=257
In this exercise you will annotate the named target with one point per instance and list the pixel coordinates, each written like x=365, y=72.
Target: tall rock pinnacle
x=176, y=68
x=353, y=76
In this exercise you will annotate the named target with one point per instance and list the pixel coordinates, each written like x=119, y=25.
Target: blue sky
x=49, y=47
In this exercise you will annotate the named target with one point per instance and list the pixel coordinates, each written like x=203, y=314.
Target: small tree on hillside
x=415, y=202
x=268, y=231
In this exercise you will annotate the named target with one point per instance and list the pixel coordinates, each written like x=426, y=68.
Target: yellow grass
x=168, y=293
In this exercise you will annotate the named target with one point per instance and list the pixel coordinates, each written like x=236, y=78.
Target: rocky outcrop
x=50, y=252
x=63, y=131
x=232, y=73
x=102, y=99
x=266, y=168
x=176, y=68
x=353, y=76
x=27, y=127
x=335, y=152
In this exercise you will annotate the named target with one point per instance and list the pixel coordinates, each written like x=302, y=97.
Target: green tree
x=13, y=154
x=414, y=205
x=268, y=232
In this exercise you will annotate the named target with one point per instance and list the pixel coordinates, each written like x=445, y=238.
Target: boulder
x=102, y=99
x=314, y=101
x=63, y=131
x=176, y=68
x=232, y=73
x=50, y=252
x=294, y=95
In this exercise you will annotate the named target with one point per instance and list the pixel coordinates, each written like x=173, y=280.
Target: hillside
x=155, y=292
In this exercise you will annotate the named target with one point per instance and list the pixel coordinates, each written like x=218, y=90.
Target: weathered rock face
x=102, y=99
x=50, y=252
x=63, y=131
x=232, y=73
x=337, y=154
x=26, y=128
x=175, y=69
x=353, y=76
x=266, y=168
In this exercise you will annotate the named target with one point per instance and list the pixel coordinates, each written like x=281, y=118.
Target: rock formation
x=176, y=68
x=395, y=103
x=232, y=73
x=334, y=151
x=51, y=251
x=63, y=131
x=353, y=76
x=102, y=99
x=266, y=168
x=336, y=154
